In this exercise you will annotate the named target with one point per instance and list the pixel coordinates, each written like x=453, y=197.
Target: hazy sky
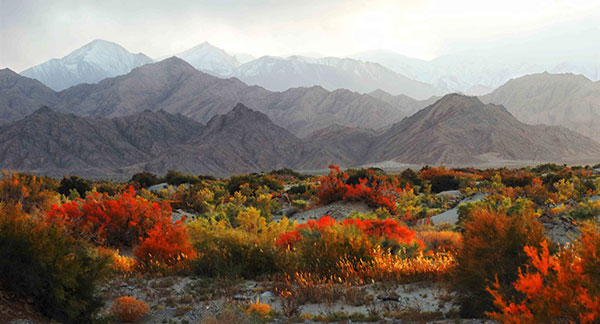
x=34, y=31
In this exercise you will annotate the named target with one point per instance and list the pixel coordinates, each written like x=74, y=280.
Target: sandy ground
x=190, y=299
x=450, y=216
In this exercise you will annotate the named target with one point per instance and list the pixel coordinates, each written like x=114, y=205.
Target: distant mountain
x=176, y=87
x=20, y=96
x=489, y=69
x=244, y=57
x=349, y=146
x=462, y=130
x=568, y=100
x=410, y=105
x=210, y=59
x=89, y=64
x=279, y=74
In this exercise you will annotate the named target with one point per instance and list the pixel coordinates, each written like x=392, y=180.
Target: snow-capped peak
x=90, y=63
x=210, y=59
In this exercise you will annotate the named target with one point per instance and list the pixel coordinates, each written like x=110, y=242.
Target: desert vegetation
x=182, y=248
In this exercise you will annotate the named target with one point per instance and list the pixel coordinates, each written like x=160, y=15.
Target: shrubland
x=61, y=239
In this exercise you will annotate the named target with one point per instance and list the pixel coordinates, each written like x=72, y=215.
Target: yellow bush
x=448, y=241
x=120, y=264
x=260, y=309
x=128, y=309
x=386, y=266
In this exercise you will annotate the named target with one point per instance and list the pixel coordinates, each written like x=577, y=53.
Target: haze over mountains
x=472, y=73
x=203, y=111
x=479, y=72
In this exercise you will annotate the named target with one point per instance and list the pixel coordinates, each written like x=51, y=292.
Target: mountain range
x=469, y=72
x=454, y=130
x=102, y=59
x=176, y=87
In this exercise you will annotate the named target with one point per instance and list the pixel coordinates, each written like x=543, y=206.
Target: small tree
x=492, y=250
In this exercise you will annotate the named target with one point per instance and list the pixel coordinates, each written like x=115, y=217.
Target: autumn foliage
x=377, y=191
x=125, y=221
x=318, y=245
x=167, y=243
x=560, y=288
x=117, y=221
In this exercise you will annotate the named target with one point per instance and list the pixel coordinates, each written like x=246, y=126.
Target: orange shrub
x=27, y=191
x=538, y=192
x=557, y=288
x=120, y=264
x=128, y=309
x=318, y=245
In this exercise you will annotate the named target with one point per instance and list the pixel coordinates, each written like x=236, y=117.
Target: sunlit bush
x=128, y=309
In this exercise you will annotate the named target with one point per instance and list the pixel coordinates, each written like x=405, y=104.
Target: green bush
x=254, y=181
x=492, y=249
x=43, y=262
x=145, y=179
x=585, y=211
x=231, y=252
x=74, y=183
x=176, y=178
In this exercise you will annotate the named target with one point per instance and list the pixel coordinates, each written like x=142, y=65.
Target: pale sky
x=32, y=32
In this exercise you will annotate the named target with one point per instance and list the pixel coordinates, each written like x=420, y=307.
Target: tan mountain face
x=461, y=130
x=568, y=100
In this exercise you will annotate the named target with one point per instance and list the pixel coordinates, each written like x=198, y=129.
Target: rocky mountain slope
x=20, y=96
x=462, y=130
x=455, y=130
x=89, y=64
x=568, y=100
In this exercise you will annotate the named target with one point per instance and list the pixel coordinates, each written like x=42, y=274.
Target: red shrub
x=116, y=221
x=375, y=190
x=167, y=243
x=374, y=230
